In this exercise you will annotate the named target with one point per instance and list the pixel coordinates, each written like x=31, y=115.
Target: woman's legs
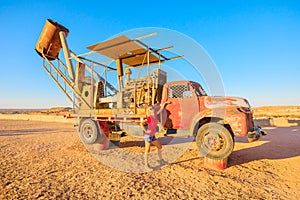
x=147, y=150
x=159, y=147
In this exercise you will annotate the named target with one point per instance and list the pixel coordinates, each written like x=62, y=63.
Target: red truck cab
x=213, y=120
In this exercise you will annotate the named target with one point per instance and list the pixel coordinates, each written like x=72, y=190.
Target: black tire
x=214, y=141
x=90, y=132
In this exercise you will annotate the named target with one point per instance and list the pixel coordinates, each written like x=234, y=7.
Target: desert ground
x=46, y=160
x=289, y=112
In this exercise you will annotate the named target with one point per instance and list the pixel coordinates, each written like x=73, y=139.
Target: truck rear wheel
x=90, y=132
x=214, y=141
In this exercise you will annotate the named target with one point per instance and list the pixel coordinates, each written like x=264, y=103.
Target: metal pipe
x=153, y=92
x=151, y=49
x=175, y=57
x=120, y=73
x=164, y=49
x=85, y=54
x=134, y=98
x=148, y=64
x=146, y=36
x=66, y=50
x=105, y=77
x=92, y=84
x=97, y=63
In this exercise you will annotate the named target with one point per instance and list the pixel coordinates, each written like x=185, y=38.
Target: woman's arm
x=162, y=107
x=142, y=124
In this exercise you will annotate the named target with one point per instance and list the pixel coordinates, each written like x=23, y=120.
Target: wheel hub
x=88, y=131
x=213, y=142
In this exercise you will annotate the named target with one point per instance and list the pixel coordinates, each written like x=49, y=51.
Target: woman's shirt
x=152, y=124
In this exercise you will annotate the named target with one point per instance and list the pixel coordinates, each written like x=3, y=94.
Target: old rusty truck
x=103, y=111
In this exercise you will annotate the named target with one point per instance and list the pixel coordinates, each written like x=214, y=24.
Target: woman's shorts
x=149, y=138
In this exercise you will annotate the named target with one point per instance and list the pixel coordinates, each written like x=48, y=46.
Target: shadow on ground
x=280, y=143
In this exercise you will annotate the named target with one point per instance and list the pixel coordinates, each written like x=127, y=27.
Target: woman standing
x=149, y=134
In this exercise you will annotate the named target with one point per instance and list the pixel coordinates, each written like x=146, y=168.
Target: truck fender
x=205, y=118
x=196, y=119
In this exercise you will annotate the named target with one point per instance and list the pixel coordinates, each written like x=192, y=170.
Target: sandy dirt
x=48, y=161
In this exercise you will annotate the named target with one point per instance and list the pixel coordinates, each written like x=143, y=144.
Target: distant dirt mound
x=58, y=110
x=289, y=112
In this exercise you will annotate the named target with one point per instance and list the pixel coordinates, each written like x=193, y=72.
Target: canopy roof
x=131, y=52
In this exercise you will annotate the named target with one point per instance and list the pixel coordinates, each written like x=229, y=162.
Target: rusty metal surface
x=188, y=108
x=49, y=41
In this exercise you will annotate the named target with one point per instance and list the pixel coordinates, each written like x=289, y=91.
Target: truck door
x=184, y=106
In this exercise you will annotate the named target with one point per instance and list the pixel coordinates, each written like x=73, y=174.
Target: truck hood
x=224, y=101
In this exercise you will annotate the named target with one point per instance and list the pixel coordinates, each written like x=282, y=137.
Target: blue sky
x=254, y=44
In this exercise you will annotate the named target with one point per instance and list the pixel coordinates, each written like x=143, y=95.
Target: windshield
x=198, y=89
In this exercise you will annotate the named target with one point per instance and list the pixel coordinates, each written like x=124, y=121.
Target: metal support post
x=66, y=50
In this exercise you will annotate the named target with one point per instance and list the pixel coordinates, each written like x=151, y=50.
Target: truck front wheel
x=214, y=141
x=90, y=131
